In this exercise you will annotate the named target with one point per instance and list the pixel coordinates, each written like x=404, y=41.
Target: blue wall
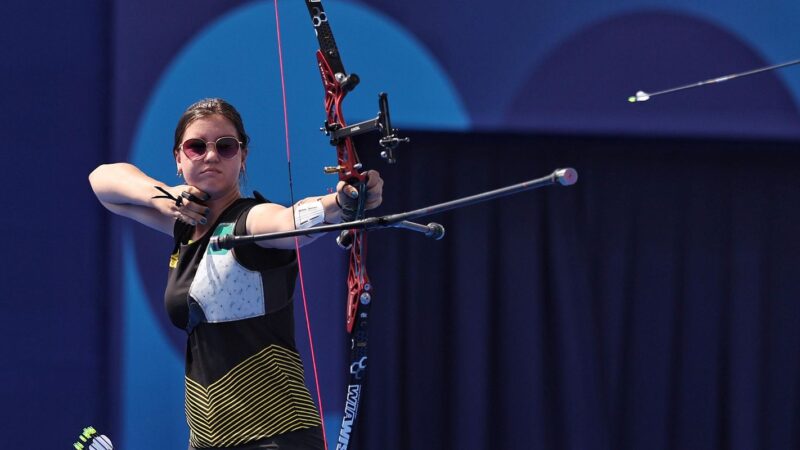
x=95, y=81
x=56, y=341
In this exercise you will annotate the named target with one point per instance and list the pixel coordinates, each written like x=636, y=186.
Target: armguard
x=309, y=214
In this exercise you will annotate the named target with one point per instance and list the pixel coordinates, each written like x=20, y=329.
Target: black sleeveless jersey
x=244, y=377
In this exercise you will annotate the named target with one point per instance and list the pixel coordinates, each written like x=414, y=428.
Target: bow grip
x=349, y=213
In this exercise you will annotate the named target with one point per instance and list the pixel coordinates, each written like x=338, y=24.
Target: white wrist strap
x=309, y=214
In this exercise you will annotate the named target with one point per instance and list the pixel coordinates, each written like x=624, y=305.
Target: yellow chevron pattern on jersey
x=262, y=396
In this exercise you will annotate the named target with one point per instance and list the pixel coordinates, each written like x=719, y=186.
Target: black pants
x=308, y=439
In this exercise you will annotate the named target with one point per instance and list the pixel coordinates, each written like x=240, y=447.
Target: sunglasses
x=227, y=147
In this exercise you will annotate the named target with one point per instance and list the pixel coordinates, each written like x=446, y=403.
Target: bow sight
x=382, y=122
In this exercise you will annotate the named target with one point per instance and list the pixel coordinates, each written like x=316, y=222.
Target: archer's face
x=212, y=173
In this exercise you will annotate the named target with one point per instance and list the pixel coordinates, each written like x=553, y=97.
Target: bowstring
x=296, y=240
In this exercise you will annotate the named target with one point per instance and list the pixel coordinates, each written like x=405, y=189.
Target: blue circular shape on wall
x=236, y=58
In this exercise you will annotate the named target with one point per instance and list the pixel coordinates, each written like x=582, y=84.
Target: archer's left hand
x=348, y=195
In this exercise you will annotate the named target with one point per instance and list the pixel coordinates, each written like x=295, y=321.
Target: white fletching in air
x=642, y=96
x=101, y=443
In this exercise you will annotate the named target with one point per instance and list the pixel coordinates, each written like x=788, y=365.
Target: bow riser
x=347, y=158
x=358, y=286
x=348, y=169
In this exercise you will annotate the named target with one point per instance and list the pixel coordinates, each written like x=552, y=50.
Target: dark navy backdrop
x=55, y=342
x=689, y=340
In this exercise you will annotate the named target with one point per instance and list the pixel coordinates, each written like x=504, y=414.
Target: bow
x=337, y=83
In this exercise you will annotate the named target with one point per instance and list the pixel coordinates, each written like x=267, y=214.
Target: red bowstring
x=296, y=240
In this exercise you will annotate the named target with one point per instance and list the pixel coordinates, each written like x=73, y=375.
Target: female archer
x=244, y=378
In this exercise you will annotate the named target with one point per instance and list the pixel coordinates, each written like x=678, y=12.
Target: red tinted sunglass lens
x=194, y=148
x=227, y=147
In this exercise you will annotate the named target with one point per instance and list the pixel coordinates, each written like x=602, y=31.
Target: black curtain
x=653, y=305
